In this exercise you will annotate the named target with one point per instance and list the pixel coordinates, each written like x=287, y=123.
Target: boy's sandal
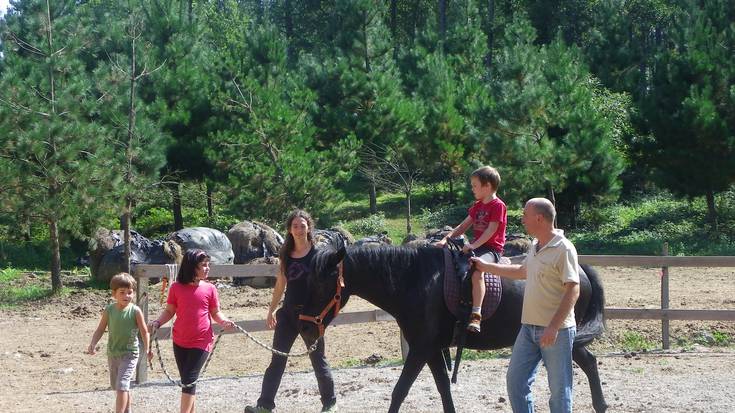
x=474, y=324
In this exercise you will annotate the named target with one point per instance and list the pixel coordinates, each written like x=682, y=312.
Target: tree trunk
x=393, y=26
x=126, y=233
x=26, y=229
x=373, y=198
x=442, y=22
x=129, y=152
x=416, y=8
x=552, y=197
x=53, y=188
x=712, y=210
x=288, y=22
x=176, y=207
x=408, y=212
x=450, y=181
x=210, y=203
x=365, y=42
x=490, y=34
x=55, y=255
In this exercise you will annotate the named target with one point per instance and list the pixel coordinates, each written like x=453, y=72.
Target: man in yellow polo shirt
x=547, y=322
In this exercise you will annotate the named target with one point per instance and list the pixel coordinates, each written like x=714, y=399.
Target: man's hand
x=549, y=337
x=481, y=265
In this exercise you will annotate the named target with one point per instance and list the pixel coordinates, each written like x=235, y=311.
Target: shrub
x=445, y=215
x=371, y=225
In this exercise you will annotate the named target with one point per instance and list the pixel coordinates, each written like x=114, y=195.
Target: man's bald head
x=543, y=207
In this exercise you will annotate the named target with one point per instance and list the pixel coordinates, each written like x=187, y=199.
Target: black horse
x=408, y=283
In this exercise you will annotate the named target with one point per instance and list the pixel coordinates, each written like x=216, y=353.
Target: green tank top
x=123, y=330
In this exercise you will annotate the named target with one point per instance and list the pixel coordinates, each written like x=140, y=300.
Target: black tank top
x=297, y=273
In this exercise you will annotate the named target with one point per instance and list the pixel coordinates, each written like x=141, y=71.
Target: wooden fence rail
x=144, y=272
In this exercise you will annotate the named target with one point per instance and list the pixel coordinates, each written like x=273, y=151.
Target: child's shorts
x=122, y=369
x=487, y=254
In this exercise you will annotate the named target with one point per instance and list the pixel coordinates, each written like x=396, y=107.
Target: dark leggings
x=190, y=362
x=287, y=329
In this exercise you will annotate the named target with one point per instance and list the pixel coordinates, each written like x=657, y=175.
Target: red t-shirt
x=482, y=215
x=194, y=303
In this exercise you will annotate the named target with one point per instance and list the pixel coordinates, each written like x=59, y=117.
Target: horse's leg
x=441, y=378
x=588, y=363
x=411, y=369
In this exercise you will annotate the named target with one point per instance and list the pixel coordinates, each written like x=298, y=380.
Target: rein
x=334, y=302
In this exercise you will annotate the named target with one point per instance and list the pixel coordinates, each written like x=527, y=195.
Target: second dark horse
x=408, y=284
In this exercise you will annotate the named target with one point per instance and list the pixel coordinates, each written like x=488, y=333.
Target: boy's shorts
x=487, y=254
x=122, y=369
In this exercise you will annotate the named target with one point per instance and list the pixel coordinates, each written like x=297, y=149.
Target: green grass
x=349, y=363
x=10, y=274
x=19, y=288
x=722, y=338
x=468, y=354
x=641, y=227
x=633, y=341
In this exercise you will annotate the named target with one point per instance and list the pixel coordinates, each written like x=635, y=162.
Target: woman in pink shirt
x=195, y=303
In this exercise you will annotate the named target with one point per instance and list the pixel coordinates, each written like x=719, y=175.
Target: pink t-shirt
x=194, y=304
x=482, y=215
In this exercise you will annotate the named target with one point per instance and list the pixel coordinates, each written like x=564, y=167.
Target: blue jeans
x=524, y=362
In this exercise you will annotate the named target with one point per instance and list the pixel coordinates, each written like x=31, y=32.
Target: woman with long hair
x=295, y=265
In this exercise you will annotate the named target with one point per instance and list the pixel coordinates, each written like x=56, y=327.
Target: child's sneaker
x=474, y=325
x=257, y=409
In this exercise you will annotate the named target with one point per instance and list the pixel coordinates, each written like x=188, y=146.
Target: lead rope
x=154, y=338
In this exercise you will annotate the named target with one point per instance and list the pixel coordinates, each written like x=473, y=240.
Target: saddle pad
x=493, y=289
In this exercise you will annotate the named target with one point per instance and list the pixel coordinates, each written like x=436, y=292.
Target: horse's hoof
x=601, y=409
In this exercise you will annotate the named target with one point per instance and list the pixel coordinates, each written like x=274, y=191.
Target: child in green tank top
x=124, y=320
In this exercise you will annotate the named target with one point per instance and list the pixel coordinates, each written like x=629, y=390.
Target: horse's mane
x=386, y=262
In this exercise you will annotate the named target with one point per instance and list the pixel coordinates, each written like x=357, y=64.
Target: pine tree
x=52, y=152
x=267, y=147
x=179, y=96
x=549, y=123
x=688, y=107
x=123, y=62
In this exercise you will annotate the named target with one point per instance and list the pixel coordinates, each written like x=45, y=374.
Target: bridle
x=334, y=302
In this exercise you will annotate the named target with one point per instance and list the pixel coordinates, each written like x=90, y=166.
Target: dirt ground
x=44, y=367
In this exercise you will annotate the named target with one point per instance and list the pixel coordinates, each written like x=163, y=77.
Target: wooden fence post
x=141, y=294
x=665, y=300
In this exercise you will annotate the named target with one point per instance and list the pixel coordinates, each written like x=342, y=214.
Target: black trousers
x=190, y=362
x=286, y=332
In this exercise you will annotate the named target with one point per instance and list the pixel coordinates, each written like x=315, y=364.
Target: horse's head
x=326, y=295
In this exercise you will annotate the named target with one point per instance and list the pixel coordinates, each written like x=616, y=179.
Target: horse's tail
x=592, y=323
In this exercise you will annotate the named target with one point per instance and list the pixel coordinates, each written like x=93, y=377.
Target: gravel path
x=672, y=382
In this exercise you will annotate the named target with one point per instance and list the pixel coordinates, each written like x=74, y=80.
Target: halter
x=334, y=302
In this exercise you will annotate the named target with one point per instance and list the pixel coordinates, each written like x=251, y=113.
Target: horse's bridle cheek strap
x=335, y=302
